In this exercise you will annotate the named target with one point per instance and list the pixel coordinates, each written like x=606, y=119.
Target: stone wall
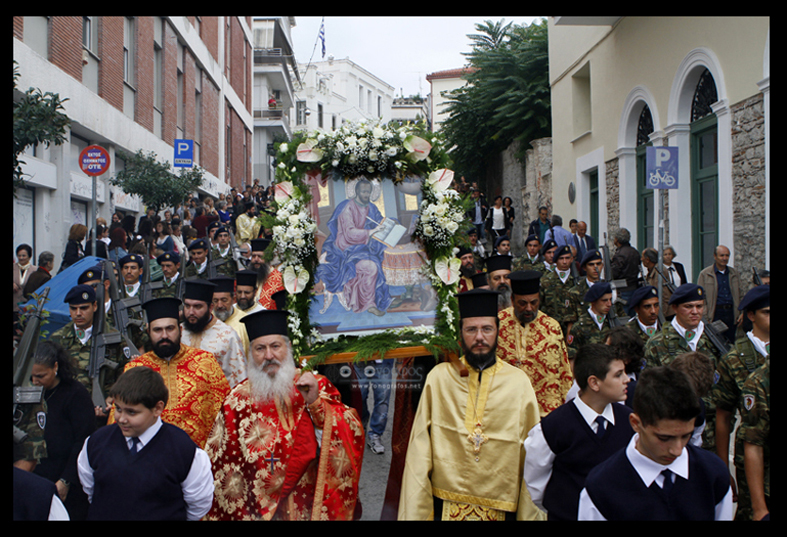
x=536, y=190
x=612, y=185
x=748, y=177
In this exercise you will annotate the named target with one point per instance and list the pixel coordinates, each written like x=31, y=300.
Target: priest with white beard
x=204, y=330
x=283, y=447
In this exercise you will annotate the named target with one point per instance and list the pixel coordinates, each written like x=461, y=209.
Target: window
x=300, y=113
x=594, y=197
x=580, y=101
x=129, y=41
x=645, y=198
x=319, y=116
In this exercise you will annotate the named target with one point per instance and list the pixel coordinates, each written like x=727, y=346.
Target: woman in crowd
x=74, y=250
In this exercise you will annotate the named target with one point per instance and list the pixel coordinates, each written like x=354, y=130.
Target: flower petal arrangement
x=374, y=151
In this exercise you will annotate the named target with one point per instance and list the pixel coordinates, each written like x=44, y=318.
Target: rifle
x=23, y=363
x=120, y=309
x=614, y=320
x=757, y=279
x=241, y=261
x=98, y=343
x=212, y=264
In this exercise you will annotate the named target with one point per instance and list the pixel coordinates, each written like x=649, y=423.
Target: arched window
x=645, y=207
x=704, y=96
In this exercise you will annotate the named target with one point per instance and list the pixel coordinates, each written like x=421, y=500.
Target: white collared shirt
x=649, y=471
x=758, y=343
x=197, y=488
x=682, y=331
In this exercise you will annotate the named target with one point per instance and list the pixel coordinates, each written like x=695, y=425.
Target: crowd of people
x=582, y=392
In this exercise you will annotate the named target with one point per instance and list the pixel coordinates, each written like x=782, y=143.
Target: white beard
x=264, y=388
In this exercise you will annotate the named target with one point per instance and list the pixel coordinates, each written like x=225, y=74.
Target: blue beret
x=93, y=273
x=132, y=258
x=757, y=298
x=222, y=229
x=597, y=290
x=80, y=294
x=531, y=238
x=198, y=243
x=688, y=292
x=215, y=223
x=642, y=293
x=169, y=256
x=562, y=250
x=592, y=255
x=501, y=239
x=548, y=245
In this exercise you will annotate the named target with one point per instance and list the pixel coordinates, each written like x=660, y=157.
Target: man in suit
x=583, y=242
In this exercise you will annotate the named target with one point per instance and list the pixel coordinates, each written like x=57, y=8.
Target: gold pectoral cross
x=477, y=437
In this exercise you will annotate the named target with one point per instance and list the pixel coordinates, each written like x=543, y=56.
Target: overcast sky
x=399, y=50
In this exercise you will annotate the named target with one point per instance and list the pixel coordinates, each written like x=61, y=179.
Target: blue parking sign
x=661, y=167
x=184, y=153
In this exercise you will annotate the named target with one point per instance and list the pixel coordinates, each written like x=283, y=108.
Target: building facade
x=131, y=83
x=442, y=82
x=701, y=84
x=333, y=92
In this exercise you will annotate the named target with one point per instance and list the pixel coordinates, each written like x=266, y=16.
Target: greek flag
x=322, y=37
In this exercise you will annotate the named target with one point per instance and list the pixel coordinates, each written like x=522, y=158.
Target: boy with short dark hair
x=580, y=434
x=659, y=475
x=143, y=462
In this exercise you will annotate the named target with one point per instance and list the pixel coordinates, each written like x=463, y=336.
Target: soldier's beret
x=80, y=294
x=265, y=323
x=132, y=258
x=592, y=255
x=548, y=245
x=478, y=303
x=597, y=290
x=757, y=298
x=532, y=238
x=501, y=239
x=562, y=250
x=93, y=273
x=642, y=293
x=688, y=292
x=174, y=257
x=215, y=223
x=222, y=229
x=197, y=244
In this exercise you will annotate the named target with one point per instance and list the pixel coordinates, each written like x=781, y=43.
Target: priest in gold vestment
x=197, y=385
x=532, y=341
x=466, y=452
x=284, y=447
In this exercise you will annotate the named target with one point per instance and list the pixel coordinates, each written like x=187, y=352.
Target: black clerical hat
x=479, y=280
x=265, y=323
x=160, y=308
x=199, y=290
x=224, y=284
x=280, y=299
x=525, y=282
x=478, y=303
x=259, y=245
x=246, y=278
x=498, y=262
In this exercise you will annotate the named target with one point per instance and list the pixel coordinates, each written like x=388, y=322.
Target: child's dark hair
x=629, y=347
x=664, y=393
x=699, y=368
x=593, y=359
x=140, y=386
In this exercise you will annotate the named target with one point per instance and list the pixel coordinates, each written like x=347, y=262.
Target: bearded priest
x=283, y=447
x=466, y=453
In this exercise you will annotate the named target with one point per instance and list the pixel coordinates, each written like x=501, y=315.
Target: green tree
x=38, y=118
x=153, y=181
x=507, y=97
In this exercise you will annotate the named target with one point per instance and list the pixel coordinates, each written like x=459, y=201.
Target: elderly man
x=224, y=308
x=195, y=381
x=533, y=342
x=723, y=287
x=498, y=268
x=204, y=330
x=284, y=446
x=466, y=452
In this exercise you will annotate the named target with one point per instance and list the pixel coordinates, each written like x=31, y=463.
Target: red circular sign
x=94, y=160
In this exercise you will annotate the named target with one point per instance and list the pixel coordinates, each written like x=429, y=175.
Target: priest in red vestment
x=197, y=385
x=284, y=447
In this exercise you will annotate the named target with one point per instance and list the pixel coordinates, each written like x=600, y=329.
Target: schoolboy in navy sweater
x=659, y=475
x=140, y=468
x=578, y=435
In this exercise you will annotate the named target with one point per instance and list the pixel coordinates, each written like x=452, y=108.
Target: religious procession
x=370, y=338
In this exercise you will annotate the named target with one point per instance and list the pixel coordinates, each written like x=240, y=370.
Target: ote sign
x=94, y=160
x=661, y=167
x=184, y=153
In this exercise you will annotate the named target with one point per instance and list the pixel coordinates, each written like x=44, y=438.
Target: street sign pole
x=93, y=161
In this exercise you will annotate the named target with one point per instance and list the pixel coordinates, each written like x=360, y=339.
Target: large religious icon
x=369, y=278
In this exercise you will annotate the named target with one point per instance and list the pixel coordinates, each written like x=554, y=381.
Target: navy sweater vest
x=577, y=451
x=619, y=494
x=142, y=486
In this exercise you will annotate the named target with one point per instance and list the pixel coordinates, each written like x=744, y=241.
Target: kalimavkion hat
x=160, y=308
x=224, y=284
x=199, y=290
x=478, y=303
x=265, y=323
x=525, y=282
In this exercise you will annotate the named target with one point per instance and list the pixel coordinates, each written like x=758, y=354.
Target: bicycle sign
x=661, y=167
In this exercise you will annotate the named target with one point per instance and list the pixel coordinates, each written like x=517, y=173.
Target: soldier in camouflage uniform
x=592, y=325
x=560, y=298
x=684, y=334
x=756, y=430
x=532, y=255
x=747, y=354
x=592, y=263
x=170, y=266
x=76, y=337
x=198, y=260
